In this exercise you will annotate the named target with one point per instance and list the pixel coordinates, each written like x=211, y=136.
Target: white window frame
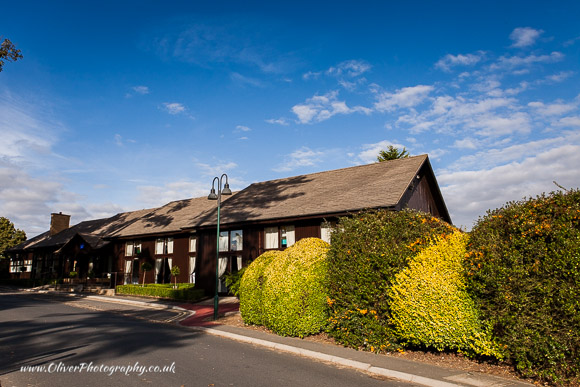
x=129, y=246
x=163, y=246
x=326, y=231
x=193, y=244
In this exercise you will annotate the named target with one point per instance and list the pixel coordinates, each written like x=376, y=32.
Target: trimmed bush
x=185, y=292
x=295, y=291
x=252, y=286
x=524, y=273
x=430, y=306
x=367, y=252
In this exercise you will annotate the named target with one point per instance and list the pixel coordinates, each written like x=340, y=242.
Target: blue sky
x=127, y=105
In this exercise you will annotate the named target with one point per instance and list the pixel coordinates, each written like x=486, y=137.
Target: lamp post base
x=215, y=306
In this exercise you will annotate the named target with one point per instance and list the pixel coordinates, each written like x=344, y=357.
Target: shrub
x=185, y=292
x=524, y=273
x=367, y=252
x=295, y=291
x=233, y=281
x=252, y=286
x=430, y=306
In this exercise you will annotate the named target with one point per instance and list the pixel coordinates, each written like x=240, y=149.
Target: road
x=115, y=345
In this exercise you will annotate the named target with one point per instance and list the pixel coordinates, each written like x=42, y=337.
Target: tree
x=9, y=235
x=175, y=272
x=8, y=52
x=392, y=153
x=145, y=266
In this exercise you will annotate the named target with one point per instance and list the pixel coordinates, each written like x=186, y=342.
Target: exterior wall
x=422, y=199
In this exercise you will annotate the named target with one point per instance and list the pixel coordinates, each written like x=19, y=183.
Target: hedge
x=430, y=306
x=185, y=292
x=368, y=250
x=295, y=290
x=251, y=288
x=524, y=273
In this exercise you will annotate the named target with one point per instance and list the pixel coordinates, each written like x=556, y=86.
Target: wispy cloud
x=524, y=36
x=407, y=97
x=449, y=61
x=217, y=169
x=141, y=90
x=243, y=128
x=278, y=121
x=174, y=108
x=510, y=62
x=350, y=68
x=322, y=107
x=245, y=80
x=303, y=157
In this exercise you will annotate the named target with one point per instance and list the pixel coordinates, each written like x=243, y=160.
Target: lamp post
x=213, y=196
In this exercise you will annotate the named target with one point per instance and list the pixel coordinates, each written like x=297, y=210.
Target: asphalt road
x=118, y=345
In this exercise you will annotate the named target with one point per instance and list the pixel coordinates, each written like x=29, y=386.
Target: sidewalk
x=380, y=365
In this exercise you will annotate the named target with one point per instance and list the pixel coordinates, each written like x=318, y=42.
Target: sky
x=124, y=105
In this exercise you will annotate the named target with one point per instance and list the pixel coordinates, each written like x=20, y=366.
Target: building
x=264, y=216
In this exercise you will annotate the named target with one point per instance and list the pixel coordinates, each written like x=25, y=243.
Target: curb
x=365, y=367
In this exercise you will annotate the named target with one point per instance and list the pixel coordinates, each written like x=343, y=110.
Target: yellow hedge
x=252, y=286
x=296, y=289
x=430, y=306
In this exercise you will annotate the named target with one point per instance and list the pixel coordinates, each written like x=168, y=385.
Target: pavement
x=199, y=316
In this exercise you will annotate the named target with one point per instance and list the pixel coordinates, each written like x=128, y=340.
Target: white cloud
x=311, y=75
x=559, y=77
x=174, y=108
x=494, y=126
x=243, y=128
x=118, y=140
x=216, y=170
x=155, y=196
x=524, y=36
x=350, y=68
x=511, y=62
x=245, y=80
x=303, y=157
x=449, y=61
x=470, y=193
x=552, y=109
x=141, y=90
x=406, y=97
x=569, y=122
x=323, y=107
x=278, y=121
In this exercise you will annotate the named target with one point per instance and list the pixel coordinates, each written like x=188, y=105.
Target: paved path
x=198, y=316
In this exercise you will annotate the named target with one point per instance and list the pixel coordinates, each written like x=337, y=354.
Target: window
x=132, y=248
x=224, y=240
x=129, y=249
x=236, y=240
x=164, y=246
x=271, y=240
x=15, y=264
x=287, y=237
x=231, y=240
x=279, y=238
x=192, y=244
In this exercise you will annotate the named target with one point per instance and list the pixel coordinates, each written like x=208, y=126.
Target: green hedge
x=524, y=273
x=430, y=306
x=368, y=250
x=295, y=291
x=252, y=286
x=185, y=292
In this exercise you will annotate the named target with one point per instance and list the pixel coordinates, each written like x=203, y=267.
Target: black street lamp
x=212, y=196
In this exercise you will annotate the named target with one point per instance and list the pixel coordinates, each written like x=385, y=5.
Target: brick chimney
x=58, y=223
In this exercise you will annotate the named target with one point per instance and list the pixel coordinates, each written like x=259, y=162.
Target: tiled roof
x=378, y=185
x=172, y=217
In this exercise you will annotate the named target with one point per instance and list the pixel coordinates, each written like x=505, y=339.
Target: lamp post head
x=226, y=190
x=212, y=195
